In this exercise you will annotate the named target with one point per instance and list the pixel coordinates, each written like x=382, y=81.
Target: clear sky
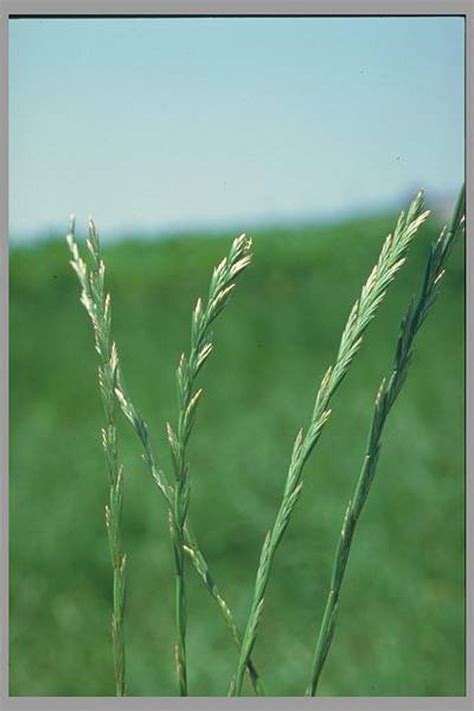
x=165, y=124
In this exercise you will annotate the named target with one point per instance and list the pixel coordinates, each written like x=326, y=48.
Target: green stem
x=191, y=547
x=97, y=304
x=181, y=665
x=388, y=392
x=391, y=258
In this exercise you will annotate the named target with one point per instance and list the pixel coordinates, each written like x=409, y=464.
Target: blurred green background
x=401, y=623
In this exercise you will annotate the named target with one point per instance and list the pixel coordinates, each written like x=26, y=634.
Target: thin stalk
x=177, y=496
x=97, y=304
x=392, y=257
x=180, y=604
x=191, y=546
x=203, y=571
x=386, y=397
x=221, y=286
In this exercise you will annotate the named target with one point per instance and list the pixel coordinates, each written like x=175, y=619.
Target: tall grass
x=176, y=494
x=177, y=497
x=391, y=259
x=97, y=304
x=220, y=289
x=387, y=394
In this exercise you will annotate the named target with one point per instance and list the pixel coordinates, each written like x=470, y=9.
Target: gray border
x=229, y=7
x=236, y=7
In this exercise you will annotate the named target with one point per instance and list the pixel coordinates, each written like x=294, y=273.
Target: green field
x=400, y=630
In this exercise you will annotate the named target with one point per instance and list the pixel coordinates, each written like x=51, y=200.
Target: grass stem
x=97, y=304
x=386, y=397
x=177, y=496
x=391, y=258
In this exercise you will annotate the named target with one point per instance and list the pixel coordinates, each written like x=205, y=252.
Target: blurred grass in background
x=401, y=622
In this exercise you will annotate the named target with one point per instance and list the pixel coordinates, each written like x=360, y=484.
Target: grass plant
x=176, y=490
x=387, y=394
x=111, y=381
x=97, y=304
x=391, y=259
x=221, y=287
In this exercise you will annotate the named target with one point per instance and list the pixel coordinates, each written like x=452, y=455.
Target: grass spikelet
x=97, y=304
x=188, y=369
x=111, y=382
x=385, y=398
x=220, y=289
x=389, y=262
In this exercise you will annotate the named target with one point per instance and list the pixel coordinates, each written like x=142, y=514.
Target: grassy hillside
x=401, y=622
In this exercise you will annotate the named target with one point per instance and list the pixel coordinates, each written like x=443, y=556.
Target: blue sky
x=154, y=125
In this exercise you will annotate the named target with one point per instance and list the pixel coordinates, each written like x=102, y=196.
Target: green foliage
x=281, y=327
